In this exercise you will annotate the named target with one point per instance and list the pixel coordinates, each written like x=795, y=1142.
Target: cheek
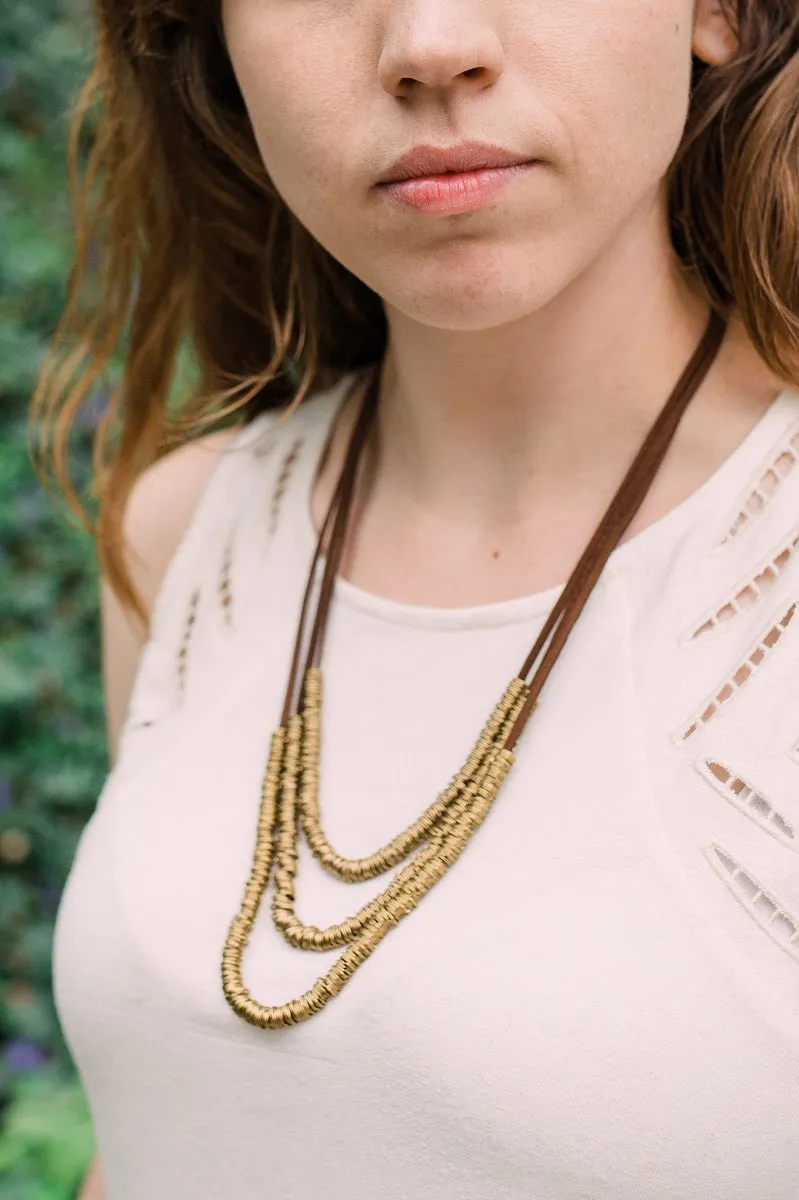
x=300, y=106
x=607, y=79
x=623, y=99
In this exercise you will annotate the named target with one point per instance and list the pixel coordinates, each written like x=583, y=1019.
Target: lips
x=425, y=161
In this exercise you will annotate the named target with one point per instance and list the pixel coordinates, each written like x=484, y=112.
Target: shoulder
x=178, y=524
x=199, y=487
x=161, y=505
x=158, y=512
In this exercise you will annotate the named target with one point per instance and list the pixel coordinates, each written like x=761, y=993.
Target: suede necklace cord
x=290, y=787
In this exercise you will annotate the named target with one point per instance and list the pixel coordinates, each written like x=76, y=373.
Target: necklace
x=290, y=786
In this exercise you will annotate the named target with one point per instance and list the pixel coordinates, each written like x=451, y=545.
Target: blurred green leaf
x=47, y=1133
x=53, y=755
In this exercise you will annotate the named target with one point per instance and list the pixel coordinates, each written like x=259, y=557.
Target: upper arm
x=156, y=516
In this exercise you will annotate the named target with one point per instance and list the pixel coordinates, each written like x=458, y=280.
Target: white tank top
x=599, y=1001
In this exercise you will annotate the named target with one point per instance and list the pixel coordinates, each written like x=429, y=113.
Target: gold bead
x=289, y=799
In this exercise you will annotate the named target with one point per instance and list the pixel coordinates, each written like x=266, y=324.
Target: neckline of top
x=732, y=475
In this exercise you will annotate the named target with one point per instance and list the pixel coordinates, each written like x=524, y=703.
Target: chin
x=472, y=286
x=475, y=306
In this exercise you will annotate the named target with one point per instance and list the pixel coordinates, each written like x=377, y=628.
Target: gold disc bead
x=356, y=870
x=459, y=793
x=242, y=923
x=470, y=796
x=286, y=847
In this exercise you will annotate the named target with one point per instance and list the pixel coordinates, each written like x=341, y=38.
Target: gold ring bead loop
x=290, y=796
x=464, y=784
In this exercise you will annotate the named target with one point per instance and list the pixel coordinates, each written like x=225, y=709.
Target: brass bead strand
x=286, y=845
x=355, y=870
x=329, y=985
x=455, y=840
x=451, y=823
x=474, y=796
x=242, y=924
x=404, y=884
x=453, y=816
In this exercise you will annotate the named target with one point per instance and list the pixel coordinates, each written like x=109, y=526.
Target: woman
x=585, y=982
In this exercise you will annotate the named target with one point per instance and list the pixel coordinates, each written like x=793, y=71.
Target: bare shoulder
x=156, y=517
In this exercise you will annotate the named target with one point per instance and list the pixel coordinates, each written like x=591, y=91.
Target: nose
x=439, y=45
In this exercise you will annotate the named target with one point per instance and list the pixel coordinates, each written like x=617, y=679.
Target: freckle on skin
x=496, y=554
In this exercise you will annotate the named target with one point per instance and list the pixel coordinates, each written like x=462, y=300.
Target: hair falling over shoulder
x=182, y=241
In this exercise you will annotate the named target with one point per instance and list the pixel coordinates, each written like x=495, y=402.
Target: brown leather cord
x=341, y=521
x=574, y=596
x=289, y=704
x=617, y=519
x=620, y=504
x=334, y=526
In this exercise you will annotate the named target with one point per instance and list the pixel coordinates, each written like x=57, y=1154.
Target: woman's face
x=597, y=90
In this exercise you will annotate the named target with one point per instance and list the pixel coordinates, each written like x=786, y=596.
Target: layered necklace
x=290, y=787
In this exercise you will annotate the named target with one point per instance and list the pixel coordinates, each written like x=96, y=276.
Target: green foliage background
x=53, y=757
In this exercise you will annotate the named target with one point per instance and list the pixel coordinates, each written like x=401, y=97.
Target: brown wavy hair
x=181, y=241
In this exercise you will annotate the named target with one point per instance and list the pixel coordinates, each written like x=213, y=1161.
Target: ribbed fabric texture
x=600, y=1001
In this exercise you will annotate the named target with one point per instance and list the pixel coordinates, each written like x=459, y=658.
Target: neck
x=479, y=426
x=496, y=452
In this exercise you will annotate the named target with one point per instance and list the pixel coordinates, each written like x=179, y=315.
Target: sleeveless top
x=599, y=1001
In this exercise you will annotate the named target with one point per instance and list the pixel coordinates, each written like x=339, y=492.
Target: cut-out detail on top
x=778, y=922
x=747, y=799
x=225, y=588
x=282, y=483
x=759, y=494
x=748, y=593
x=741, y=675
x=185, y=640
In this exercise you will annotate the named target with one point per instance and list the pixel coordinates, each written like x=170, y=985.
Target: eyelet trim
x=749, y=592
x=760, y=494
x=185, y=640
x=225, y=586
x=282, y=483
x=747, y=799
x=741, y=675
x=763, y=906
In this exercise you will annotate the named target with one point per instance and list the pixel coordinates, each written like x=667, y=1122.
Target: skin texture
x=533, y=341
